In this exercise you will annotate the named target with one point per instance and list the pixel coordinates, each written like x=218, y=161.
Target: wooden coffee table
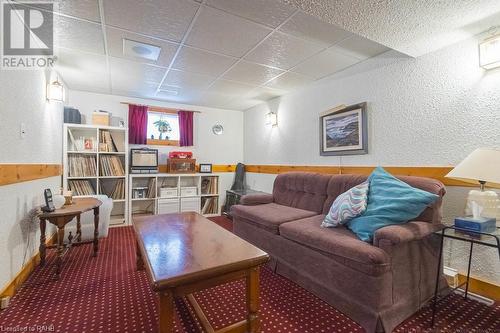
x=184, y=253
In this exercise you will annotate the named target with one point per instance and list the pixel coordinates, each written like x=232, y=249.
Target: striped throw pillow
x=347, y=206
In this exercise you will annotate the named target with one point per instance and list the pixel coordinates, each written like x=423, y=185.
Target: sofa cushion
x=301, y=190
x=270, y=216
x=338, y=243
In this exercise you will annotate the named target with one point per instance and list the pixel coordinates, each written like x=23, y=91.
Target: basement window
x=163, y=128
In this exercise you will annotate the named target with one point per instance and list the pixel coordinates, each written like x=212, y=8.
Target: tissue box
x=480, y=224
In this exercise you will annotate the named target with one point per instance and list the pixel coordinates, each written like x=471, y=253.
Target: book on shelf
x=82, y=166
x=111, y=165
x=209, y=185
x=151, y=188
x=114, y=190
x=81, y=187
x=209, y=205
x=107, y=144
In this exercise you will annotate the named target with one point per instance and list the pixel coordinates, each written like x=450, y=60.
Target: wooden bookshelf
x=95, y=161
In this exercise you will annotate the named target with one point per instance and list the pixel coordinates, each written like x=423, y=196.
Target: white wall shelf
x=74, y=136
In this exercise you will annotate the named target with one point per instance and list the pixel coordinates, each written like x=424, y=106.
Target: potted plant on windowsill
x=163, y=127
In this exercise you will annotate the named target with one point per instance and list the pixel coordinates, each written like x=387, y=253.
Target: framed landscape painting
x=344, y=132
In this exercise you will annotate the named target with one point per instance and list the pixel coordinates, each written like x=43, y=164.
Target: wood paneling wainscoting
x=162, y=168
x=17, y=173
x=429, y=172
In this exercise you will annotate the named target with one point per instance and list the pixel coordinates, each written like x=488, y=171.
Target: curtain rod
x=155, y=107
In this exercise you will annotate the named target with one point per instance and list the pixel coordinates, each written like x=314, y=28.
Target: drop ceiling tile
x=214, y=100
x=325, y=63
x=78, y=35
x=202, y=62
x=249, y=72
x=115, y=46
x=168, y=19
x=83, y=71
x=230, y=88
x=289, y=81
x=243, y=104
x=309, y=27
x=133, y=88
x=218, y=31
x=262, y=94
x=270, y=13
x=360, y=47
x=186, y=81
x=85, y=9
x=283, y=51
x=178, y=97
x=126, y=70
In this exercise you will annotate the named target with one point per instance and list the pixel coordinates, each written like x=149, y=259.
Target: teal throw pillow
x=390, y=201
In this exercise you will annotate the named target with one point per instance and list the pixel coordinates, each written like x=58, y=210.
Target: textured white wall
x=432, y=110
x=22, y=99
x=209, y=148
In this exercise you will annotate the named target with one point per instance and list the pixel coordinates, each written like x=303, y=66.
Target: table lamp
x=482, y=166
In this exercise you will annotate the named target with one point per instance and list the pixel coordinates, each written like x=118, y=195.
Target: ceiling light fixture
x=55, y=91
x=135, y=49
x=489, y=51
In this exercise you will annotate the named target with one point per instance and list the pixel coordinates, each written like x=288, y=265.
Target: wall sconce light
x=272, y=119
x=55, y=91
x=489, y=52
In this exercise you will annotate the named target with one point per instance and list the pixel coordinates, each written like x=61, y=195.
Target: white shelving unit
x=75, y=136
x=181, y=192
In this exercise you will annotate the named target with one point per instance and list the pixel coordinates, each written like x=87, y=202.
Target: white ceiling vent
x=140, y=50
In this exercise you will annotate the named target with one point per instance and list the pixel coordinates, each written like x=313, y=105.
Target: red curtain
x=137, y=124
x=185, y=128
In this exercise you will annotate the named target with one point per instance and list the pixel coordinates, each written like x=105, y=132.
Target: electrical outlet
x=22, y=131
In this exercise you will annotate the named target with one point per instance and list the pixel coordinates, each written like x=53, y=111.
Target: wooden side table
x=61, y=217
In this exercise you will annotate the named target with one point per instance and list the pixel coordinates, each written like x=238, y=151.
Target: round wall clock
x=218, y=129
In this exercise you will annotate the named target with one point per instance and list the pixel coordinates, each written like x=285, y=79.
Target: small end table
x=491, y=239
x=62, y=216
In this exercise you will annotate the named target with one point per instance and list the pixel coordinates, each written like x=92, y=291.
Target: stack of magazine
x=107, y=144
x=82, y=166
x=81, y=187
x=111, y=166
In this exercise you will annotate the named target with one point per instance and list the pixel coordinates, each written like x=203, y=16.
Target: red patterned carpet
x=107, y=294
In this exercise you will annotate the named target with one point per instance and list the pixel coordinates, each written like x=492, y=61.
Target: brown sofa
x=378, y=285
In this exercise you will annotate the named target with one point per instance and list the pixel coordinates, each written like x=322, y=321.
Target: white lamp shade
x=482, y=164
